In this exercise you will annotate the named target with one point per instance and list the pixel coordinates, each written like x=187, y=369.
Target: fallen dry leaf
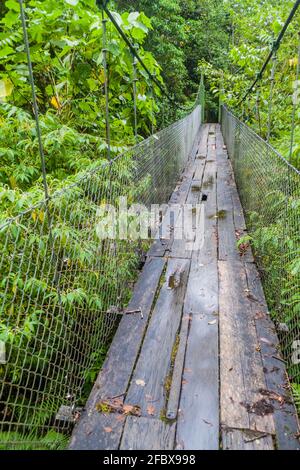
x=127, y=409
x=109, y=405
x=259, y=315
x=213, y=322
x=140, y=382
x=273, y=395
x=150, y=410
x=120, y=418
x=108, y=429
x=133, y=410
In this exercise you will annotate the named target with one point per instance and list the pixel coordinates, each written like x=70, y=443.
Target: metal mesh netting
x=269, y=188
x=62, y=287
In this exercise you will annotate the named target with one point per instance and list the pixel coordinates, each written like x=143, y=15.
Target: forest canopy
x=226, y=40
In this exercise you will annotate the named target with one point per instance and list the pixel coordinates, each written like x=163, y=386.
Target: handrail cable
x=103, y=5
x=295, y=104
x=275, y=47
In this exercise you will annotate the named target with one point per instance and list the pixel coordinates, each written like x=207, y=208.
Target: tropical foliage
x=254, y=26
x=54, y=267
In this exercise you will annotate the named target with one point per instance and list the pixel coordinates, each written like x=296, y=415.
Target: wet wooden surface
x=202, y=369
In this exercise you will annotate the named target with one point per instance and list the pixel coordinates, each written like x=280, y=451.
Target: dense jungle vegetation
x=179, y=40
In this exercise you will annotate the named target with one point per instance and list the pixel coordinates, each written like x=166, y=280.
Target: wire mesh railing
x=63, y=287
x=269, y=188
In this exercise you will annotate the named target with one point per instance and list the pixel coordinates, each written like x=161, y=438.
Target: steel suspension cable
x=104, y=54
x=102, y=4
x=41, y=148
x=34, y=99
x=135, y=79
x=295, y=102
x=275, y=47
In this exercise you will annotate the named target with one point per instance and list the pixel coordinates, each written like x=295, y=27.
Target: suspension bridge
x=197, y=359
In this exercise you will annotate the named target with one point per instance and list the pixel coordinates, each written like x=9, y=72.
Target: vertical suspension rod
x=271, y=95
x=34, y=99
x=295, y=102
x=104, y=53
x=135, y=79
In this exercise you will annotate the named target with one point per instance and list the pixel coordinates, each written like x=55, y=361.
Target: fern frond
x=15, y=441
x=10, y=40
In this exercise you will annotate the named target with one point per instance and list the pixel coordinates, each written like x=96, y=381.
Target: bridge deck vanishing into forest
x=202, y=368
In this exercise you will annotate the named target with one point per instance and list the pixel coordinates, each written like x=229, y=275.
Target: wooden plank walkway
x=202, y=368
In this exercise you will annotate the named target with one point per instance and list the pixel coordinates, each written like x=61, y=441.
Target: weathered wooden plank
x=184, y=230
x=231, y=222
x=202, y=289
x=147, y=434
x=236, y=439
x=97, y=432
x=199, y=402
x=219, y=140
x=163, y=234
x=285, y=416
x=198, y=420
x=238, y=213
x=242, y=378
x=194, y=194
x=226, y=233
x=114, y=377
x=200, y=165
x=226, y=229
x=164, y=237
x=147, y=385
x=230, y=219
x=202, y=149
x=181, y=246
x=173, y=400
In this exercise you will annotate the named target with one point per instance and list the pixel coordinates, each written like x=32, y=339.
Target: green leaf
x=72, y=2
x=5, y=51
x=13, y=5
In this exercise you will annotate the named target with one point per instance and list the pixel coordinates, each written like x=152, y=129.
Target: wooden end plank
x=147, y=385
x=285, y=416
x=241, y=368
x=236, y=439
x=147, y=434
x=97, y=432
